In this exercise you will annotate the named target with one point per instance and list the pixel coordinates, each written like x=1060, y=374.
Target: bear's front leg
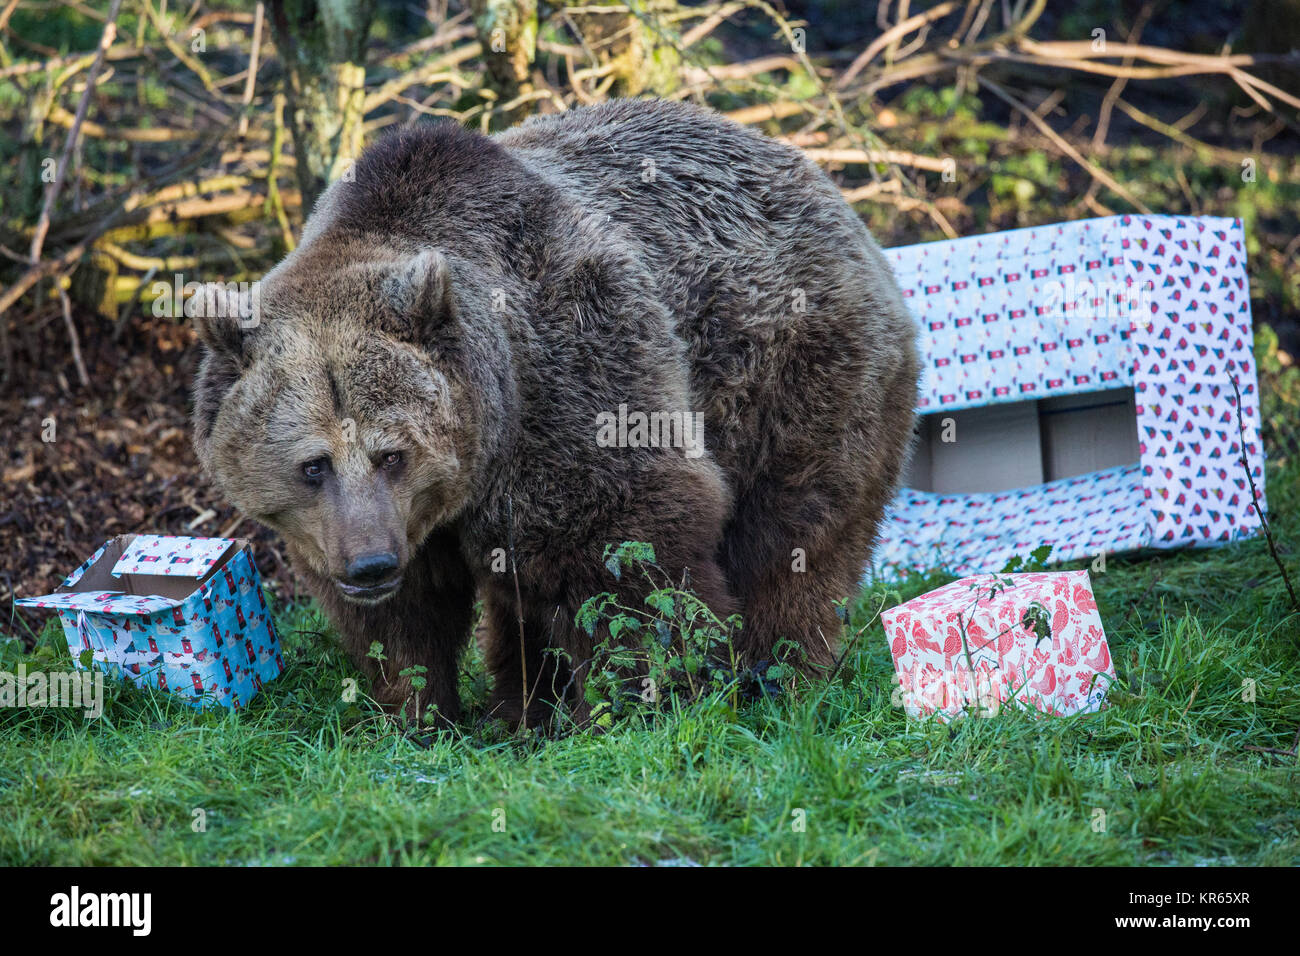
x=527, y=679
x=426, y=623
x=530, y=680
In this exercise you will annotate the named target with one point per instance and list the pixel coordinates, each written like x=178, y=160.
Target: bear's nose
x=372, y=568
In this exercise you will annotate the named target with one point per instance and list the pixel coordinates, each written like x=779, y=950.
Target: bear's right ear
x=419, y=296
x=224, y=318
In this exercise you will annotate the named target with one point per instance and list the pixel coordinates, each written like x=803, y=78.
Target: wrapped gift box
x=972, y=646
x=1077, y=390
x=186, y=615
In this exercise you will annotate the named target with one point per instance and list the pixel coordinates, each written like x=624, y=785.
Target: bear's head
x=328, y=407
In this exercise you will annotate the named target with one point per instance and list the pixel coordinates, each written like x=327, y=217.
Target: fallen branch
x=1100, y=174
x=894, y=156
x=43, y=269
x=1293, y=752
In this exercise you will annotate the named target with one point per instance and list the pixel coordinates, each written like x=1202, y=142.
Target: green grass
x=302, y=777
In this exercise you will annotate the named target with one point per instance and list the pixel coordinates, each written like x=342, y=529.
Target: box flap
x=102, y=602
x=1081, y=517
x=165, y=555
x=1027, y=313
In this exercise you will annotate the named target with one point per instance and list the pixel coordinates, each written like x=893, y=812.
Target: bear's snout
x=371, y=577
x=372, y=569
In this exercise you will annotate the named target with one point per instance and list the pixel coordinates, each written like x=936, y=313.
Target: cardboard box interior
x=99, y=576
x=1022, y=444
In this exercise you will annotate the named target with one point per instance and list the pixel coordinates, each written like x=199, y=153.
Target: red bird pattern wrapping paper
x=971, y=648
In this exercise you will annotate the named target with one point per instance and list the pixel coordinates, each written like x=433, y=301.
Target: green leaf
x=662, y=601
x=628, y=554
x=415, y=673
x=621, y=623
x=589, y=614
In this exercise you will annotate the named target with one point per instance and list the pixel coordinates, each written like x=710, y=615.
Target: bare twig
x=1172, y=131
x=43, y=223
x=710, y=23
x=519, y=609
x=73, y=340
x=894, y=156
x=1293, y=752
x=889, y=36
x=1106, y=178
x=7, y=13
x=1116, y=88
x=251, y=83
x=41, y=270
x=403, y=83
x=178, y=51
x=853, y=643
x=1254, y=500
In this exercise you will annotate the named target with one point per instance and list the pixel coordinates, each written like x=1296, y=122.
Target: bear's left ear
x=225, y=317
x=418, y=293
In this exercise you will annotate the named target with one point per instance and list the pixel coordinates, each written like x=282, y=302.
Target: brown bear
x=637, y=321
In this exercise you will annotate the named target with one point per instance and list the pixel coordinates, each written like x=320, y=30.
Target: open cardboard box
x=1021, y=444
x=186, y=615
x=1084, y=375
x=104, y=575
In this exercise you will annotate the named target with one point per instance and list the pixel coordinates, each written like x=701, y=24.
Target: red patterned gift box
x=974, y=645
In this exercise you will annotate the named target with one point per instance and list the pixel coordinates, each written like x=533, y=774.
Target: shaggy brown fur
x=441, y=344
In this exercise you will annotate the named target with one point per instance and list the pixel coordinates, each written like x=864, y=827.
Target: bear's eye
x=391, y=459
x=314, y=470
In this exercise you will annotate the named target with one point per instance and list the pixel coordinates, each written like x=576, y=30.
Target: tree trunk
x=637, y=52
x=322, y=46
x=507, y=31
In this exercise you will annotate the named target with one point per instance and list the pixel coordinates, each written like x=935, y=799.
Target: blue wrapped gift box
x=186, y=615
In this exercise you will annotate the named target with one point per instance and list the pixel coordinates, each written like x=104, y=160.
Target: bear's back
x=771, y=280
x=731, y=222
x=677, y=177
